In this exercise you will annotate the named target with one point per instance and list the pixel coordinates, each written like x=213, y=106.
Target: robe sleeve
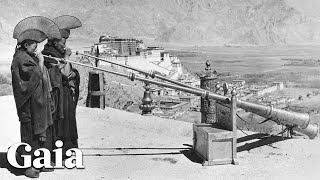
x=26, y=76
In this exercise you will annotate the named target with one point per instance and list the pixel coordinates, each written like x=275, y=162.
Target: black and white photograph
x=160, y=89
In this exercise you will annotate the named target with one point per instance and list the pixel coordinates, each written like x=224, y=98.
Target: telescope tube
x=298, y=121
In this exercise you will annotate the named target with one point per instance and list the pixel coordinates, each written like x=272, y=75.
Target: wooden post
x=102, y=96
x=233, y=107
x=89, y=99
x=96, y=93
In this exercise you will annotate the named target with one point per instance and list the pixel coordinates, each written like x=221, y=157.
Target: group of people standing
x=46, y=91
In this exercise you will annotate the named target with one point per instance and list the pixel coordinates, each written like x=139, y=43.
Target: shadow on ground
x=192, y=156
x=5, y=164
x=261, y=140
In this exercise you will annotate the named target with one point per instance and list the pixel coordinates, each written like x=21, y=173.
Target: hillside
x=205, y=22
x=122, y=145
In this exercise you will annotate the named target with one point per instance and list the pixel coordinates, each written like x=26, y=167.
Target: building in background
x=119, y=46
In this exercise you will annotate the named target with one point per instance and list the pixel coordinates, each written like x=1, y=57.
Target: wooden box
x=216, y=143
x=213, y=144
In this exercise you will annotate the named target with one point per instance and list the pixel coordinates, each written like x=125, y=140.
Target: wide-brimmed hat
x=36, y=28
x=65, y=23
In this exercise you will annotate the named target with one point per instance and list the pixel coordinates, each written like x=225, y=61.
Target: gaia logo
x=45, y=160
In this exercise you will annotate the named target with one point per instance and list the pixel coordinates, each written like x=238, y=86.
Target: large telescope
x=297, y=121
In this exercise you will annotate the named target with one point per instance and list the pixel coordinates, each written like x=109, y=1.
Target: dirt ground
x=122, y=145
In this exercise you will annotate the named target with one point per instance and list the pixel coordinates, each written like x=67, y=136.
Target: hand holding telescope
x=68, y=52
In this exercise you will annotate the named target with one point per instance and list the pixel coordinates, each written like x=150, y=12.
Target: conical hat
x=65, y=23
x=34, y=28
x=32, y=34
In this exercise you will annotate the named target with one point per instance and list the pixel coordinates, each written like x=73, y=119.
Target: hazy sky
x=307, y=7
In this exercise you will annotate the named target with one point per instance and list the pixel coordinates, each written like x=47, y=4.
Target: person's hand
x=40, y=57
x=72, y=75
x=55, y=64
x=61, y=65
x=41, y=60
x=52, y=64
x=68, y=52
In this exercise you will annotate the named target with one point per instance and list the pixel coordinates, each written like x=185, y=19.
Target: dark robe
x=66, y=93
x=56, y=81
x=31, y=90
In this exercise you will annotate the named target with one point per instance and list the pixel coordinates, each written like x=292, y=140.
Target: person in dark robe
x=65, y=81
x=32, y=88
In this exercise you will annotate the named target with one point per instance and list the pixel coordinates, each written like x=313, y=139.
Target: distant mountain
x=194, y=22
